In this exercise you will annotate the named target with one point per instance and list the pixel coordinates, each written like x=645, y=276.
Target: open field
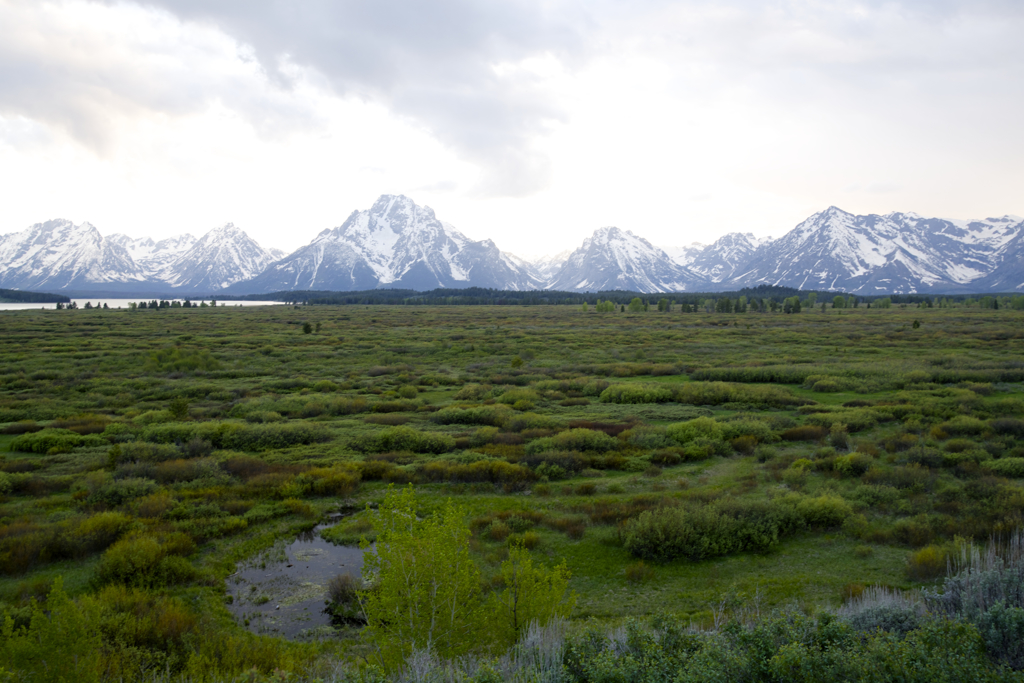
x=697, y=464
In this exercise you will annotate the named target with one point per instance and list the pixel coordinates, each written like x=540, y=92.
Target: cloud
x=87, y=69
x=475, y=75
x=435, y=62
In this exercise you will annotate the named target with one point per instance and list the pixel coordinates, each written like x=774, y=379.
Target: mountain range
x=399, y=244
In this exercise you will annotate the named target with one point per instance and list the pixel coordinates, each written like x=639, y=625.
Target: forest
x=781, y=487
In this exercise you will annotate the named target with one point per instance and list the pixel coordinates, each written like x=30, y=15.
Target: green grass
x=61, y=364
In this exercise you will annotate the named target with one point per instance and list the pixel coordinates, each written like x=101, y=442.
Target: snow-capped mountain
x=547, y=267
x=153, y=256
x=617, y=259
x=894, y=253
x=399, y=244
x=395, y=244
x=220, y=258
x=717, y=262
x=60, y=256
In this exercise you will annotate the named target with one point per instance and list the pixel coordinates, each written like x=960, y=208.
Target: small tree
x=664, y=305
x=424, y=587
x=532, y=594
x=307, y=328
x=636, y=305
x=839, y=302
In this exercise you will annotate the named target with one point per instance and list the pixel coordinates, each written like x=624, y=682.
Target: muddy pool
x=283, y=591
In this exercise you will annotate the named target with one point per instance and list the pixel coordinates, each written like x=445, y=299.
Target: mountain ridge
x=399, y=244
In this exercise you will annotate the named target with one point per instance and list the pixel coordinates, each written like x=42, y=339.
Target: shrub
x=853, y=464
x=964, y=425
x=824, y=511
x=47, y=441
x=22, y=427
x=757, y=430
x=120, y=491
x=1008, y=426
x=494, y=415
x=703, y=448
x=330, y=481
x=138, y=451
x=492, y=471
x=855, y=419
x=525, y=421
x=513, y=396
x=707, y=530
x=636, y=393
x=343, y=600
x=805, y=433
x=263, y=416
x=1012, y=468
x=390, y=419
x=701, y=427
x=404, y=439
x=574, y=440
x=927, y=564
x=744, y=444
x=147, y=561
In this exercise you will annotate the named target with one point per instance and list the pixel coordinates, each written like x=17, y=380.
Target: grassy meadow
x=696, y=464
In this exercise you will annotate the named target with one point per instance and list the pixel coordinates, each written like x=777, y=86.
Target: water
x=123, y=303
x=282, y=591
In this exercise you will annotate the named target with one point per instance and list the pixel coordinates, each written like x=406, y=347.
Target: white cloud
x=529, y=122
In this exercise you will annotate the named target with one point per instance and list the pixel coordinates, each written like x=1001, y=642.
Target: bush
x=1012, y=468
x=855, y=419
x=636, y=393
x=824, y=511
x=343, y=600
x=330, y=481
x=513, y=396
x=581, y=440
x=120, y=491
x=147, y=561
x=22, y=427
x=1008, y=426
x=760, y=431
x=853, y=464
x=404, y=439
x=964, y=425
x=492, y=471
x=927, y=564
x=47, y=441
x=701, y=427
x=805, y=433
x=494, y=415
x=708, y=530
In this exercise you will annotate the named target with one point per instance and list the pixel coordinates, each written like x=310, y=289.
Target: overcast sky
x=532, y=122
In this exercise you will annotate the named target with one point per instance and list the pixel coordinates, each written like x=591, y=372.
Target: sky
x=529, y=122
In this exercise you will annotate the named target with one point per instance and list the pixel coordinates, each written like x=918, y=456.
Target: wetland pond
x=283, y=590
